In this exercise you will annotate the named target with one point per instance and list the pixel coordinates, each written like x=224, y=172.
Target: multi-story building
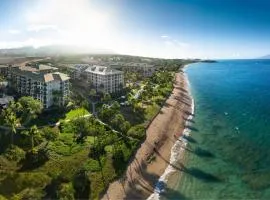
x=76, y=70
x=105, y=79
x=49, y=88
x=4, y=69
x=145, y=69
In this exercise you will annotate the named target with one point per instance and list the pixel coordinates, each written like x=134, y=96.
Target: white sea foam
x=177, y=152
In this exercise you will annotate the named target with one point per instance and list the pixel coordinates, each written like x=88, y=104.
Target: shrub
x=91, y=165
x=17, y=182
x=66, y=192
x=81, y=184
x=15, y=153
x=137, y=132
x=2, y=197
x=29, y=194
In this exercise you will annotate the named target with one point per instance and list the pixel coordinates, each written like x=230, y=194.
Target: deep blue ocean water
x=229, y=150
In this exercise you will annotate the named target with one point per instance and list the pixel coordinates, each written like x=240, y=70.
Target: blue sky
x=159, y=28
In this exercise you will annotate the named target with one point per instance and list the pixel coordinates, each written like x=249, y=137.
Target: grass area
x=54, y=115
x=17, y=182
x=76, y=113
x=66, y=146
x=151, y=111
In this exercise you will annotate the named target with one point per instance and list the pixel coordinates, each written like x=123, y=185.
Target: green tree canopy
x=30, y=108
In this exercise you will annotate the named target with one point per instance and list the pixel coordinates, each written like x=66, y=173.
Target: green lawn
x=66, y=146
x=151, y=111
x=76, y=113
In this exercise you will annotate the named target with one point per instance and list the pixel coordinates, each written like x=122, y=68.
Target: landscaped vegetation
x=69, y=153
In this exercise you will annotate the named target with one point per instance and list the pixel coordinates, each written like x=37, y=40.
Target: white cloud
x=175, y=43
x=164, y=36
x=29, y=42
x=181, y=44
x=41, y=27
x=14, y=31
x=76, y=22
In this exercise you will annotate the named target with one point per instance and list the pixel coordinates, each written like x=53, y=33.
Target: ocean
x=228, y=151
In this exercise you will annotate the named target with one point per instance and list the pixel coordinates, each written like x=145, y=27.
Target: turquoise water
x=229, y=150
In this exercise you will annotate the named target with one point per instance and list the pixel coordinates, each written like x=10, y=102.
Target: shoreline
x=162, y=139
x=171, y=176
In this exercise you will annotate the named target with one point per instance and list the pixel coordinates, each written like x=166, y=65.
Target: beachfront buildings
x=145, y=69
x=51, y=88
x=76, y=70
x=105, y=79
x=4, y=69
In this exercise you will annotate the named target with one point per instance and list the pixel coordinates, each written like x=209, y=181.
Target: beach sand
x=141, y=176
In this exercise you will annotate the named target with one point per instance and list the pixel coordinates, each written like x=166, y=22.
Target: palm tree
x=92, y=93
x=30, y=108
x=49, y=134
x=11, y=120
x=33, y=132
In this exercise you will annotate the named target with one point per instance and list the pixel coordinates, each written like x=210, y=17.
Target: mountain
x=52, y=50
x=265, y=57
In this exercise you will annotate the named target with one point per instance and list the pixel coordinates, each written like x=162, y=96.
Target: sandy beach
x=142, y=175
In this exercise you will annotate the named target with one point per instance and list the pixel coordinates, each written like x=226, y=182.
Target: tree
x=117, y=121
x=106, y=98
x=124, y=127
x=115, y=107
x=11, y=120
x=81, y=129
x=30, y=108
x=81, y=184
x=32, y=133
x=92, y=93
x=66, y=192
x=14, y=153
x=49, y=134
x=137, y=132
x=106, y=113
x=85, y=104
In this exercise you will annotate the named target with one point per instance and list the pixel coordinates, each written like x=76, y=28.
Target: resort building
x=76, y=70
x=145, y=69
x=4, y=69
x=105, y=79
x=50, y=88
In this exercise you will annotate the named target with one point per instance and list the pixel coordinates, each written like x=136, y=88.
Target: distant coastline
x=208, y=61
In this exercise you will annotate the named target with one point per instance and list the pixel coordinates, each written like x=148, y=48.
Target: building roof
x=30, y=69
x=102, y=70
x=60, y=76
x=48, y=77
x=132, y=64
x=5, y=100
x=3, y=66
x=46, y=67
x=36, y=75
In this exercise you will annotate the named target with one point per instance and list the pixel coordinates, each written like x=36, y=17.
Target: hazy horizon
x=224, y=29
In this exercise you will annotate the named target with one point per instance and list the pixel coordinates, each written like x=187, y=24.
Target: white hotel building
x=50, y=88
x=105, y=78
